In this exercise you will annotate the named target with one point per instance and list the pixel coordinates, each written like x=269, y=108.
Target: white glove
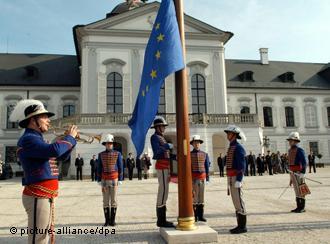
x=120, y=182
x=302, y=176
x=170, y=145
x=238, y=184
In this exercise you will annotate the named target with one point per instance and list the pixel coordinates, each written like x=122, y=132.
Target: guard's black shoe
x=106, y=216
x=301, y=208
x=241, y=225
x=298, y=204
x=200, y=211
x=195, y=212
x=113, y=217
x=161, y=218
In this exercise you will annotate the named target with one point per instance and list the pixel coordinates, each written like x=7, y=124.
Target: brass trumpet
x=90, y=138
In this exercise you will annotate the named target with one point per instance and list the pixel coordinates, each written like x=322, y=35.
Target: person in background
x=311, y=162
x=252, y=162
x=260, y=165
x=79, y=167
x=221, y=165
x=93, y=164
x=130, y=163
x=146, y=164
x=139, y=168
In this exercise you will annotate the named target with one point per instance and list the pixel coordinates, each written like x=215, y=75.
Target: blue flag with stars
x=163, y=56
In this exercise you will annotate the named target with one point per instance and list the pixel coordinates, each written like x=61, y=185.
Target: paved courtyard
x=269, y=221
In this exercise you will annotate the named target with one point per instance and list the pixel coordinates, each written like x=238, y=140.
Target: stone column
x=220, y=81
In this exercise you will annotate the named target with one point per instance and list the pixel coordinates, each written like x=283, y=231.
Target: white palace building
x=97, y=88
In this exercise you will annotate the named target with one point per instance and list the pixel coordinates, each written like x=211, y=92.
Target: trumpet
x=89, y=137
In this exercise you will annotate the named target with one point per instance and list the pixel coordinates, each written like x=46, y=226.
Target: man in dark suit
x=269, y=163
x=252, y=162
x=79, y=165
x=311, y=162
x=93, y=164
x=221, y=164
x=130, y=163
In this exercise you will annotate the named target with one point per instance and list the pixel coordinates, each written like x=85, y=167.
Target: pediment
x=142, y=19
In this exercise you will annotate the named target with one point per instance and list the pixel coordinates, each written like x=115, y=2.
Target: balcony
x=86, y=120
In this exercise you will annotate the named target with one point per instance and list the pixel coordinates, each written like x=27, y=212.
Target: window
x=268, y=116
x=246, y=76
x=245, y=110
x=11, y=125
x=289, y=116
x=198, y=94
x=162, y=105
x=310, y=116
x=11, y=156
x=328, y=113
x=287, y=77
x=314, y=147
x=68, y=110
x=114, y=93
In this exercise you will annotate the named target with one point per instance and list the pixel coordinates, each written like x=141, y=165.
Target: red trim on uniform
x=162, y=164
x=43, y=189
x=295, y=168
x=110, y=176
x=199, y=176
x=231, y=172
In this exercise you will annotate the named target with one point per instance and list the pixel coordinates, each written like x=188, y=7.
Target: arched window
x=11, y=125
x=68, y=110
x=310, y=116
x=245, y=110
x=268, y=116
x=162, y=102
x=289, y=116
x=114, y=93
x=198, y=94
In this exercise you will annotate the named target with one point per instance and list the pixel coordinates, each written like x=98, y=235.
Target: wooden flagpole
x=186, y=220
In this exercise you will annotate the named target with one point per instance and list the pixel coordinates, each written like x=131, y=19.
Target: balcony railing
x=122, y=119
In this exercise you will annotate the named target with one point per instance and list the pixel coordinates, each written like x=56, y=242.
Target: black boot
x=113, y=217
x=301, y=208
x=298, y=204
x=241, y=225
x=161, y=218
x=235, y=229
x=200, y=210
x=195, y=212
x=106, y=216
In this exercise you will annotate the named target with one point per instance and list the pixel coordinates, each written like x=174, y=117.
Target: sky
x=294, y=30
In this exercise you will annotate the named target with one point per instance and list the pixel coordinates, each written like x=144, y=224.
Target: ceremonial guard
x=297, y=169
x=109, y=175
x=38, y=160
x=200, y=164
x=161, y=153
x=235, y=166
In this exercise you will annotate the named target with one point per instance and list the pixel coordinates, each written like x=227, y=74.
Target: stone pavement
x=269, y=221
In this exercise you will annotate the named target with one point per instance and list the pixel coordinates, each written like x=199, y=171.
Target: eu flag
x=163, y=56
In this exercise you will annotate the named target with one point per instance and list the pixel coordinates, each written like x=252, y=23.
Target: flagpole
x=186, y=220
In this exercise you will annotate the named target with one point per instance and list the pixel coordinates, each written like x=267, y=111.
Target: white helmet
x=107, y=138
x=294, y=136
x=235, y=129
x=196, y=138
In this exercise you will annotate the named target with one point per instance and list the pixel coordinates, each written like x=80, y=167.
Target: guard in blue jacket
x=235, y=166
x=38, y=159
x=297, y=166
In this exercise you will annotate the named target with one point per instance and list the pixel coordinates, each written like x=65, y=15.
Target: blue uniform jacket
x=118, y=167
x=34, y=154
x=239, y=163
x=301, y=159
x=159, y=148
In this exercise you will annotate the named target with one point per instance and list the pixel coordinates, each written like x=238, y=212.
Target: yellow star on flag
x=143, y=94
x=147, y=88
x=158, y=54
x=153, y=74
x=157, y=26
x=160, y=37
